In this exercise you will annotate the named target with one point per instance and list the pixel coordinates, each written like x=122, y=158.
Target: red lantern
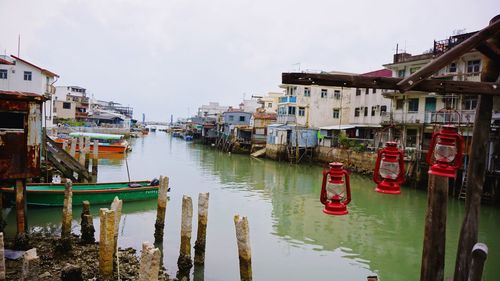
x=445, y=152
x=389, y=169
x=335, y=192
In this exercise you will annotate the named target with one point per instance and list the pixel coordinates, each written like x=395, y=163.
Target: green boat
x=43, y=194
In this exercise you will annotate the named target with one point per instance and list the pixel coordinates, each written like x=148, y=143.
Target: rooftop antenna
x=18, y=45
x=298, y=66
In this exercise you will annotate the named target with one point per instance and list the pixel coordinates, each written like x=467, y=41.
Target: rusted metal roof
x=43, y=70
x=264, y=115
x=26, y=96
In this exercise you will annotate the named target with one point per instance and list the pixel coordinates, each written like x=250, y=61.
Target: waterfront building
x=270, y=101
x=259, y=122
x=250, y=105
x=212, y=109
x=20, y=75
x=71, y=102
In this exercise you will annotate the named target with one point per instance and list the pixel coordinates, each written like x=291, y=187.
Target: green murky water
x=290, y=236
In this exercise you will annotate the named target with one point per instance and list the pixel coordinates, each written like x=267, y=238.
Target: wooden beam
x=476, y=170
x=490, y=50
x=358, y=81
x=451, y=55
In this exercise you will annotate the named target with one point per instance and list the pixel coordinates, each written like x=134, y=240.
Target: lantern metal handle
x=347, y=187
x=322, y=195
x=376, y=177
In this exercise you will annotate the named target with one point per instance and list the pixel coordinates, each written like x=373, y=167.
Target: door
x=430, y=104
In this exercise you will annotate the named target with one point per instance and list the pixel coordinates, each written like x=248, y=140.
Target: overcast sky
x=170, y=56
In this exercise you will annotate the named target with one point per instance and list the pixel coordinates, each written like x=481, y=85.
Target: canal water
x=291, y=238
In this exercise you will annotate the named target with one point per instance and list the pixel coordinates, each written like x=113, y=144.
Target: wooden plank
x=432, y=268
x=451, y=55
x=490, y=50
x=358, y=81
x=476, y=170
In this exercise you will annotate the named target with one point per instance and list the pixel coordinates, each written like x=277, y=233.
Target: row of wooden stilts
x=150, y=260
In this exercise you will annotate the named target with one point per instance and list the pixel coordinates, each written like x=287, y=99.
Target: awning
x=337, y=127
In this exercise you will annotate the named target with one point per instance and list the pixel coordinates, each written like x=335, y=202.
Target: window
x=400, y=103
x=473, y=66
x=324, y=93
x=383, y=109
x=401, y=73
x=374, y=91
x=336, y=113
x=307, y=92
x=302, y=111
x=3, y=73
x=358, y=92
x=336, y=94
x=231, y=118
x=414, y=69
x=356, y=112
x=366, y=110
x=27, y=76
x=242, y=118
x=452, y=67
x=469, y=103
x=367, y=91
x=269, y=105
x=413, y=105
x=66, y=105
x=12, y=120
x=374, y=108
x=291, y=110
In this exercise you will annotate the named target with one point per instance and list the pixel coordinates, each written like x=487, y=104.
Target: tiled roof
x=43, y=70
x=379, y=73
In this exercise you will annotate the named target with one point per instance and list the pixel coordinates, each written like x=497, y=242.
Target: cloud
x=163, y=57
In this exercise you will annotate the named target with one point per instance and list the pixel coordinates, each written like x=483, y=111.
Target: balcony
x=288, y=99
x=81, y=115
x=428, y=117
x=285, y=119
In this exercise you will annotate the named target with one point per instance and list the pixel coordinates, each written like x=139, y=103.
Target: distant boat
x=48, y=194
x=188, y=137
x=152, y=129
x=108, y=143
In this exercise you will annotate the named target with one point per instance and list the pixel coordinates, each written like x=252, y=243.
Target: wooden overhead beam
x=489, y=50
x=434, y=66
x=358, y=81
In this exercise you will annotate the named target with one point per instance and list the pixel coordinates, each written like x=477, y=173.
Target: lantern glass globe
x=334, y=190
x=445, y=153
x=389, y=170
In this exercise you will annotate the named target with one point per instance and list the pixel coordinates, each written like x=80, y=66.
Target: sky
x=168, y=57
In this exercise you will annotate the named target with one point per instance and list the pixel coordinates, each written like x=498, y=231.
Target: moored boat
x=48, y=194
x=108, y=143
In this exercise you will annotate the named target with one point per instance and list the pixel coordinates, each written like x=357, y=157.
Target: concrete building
x=71, y=102
x=417, y=112
x=315, y=106
x=270, y=101
x=19, y=75
x=212, y=109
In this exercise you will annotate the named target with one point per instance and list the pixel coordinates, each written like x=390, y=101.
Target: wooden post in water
x=184, y=262
x=87, y=224
x=67, y=215
x=432, y=268
x=72, y=150
x=161, y=209
x=116, y=206
x=81, y=151
x=2, y=221
x=95, y=160
x=21, y=240
x=106, y=243
x=476, y=168
x=31, y=266
x=244, y=250
x=479, y=255
x=199, y=245
x=2, y=258
x=87, y=153
x=149, y=267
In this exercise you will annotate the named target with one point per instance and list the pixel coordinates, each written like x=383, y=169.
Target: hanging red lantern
x=335, y=190
x=445, y=152
x=389, y=169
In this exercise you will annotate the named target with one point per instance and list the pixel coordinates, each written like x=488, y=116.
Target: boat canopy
x=96, y=136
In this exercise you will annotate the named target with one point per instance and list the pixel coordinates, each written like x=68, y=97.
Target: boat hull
x=103, y=148
x=101, y=193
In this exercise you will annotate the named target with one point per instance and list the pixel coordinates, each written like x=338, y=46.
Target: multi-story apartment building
x=270, y=101
x=314, y=106
x=212, y=109
x=367, y=108
x=17, y=74
x=71, y=102
x=417, y=112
